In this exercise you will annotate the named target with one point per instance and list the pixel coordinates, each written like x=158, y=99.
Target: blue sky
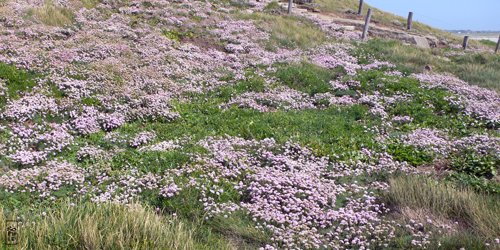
x=447, y=14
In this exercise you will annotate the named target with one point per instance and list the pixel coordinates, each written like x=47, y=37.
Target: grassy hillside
x=341, y=7
x=228, y=125
x=478, y=68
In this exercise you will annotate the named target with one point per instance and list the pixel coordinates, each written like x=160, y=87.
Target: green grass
x=427, y=107
x=476, y=68
x=107, y=226
x=338, y=6
x=330, y=131
x=307, y=77
x=89, y=4
x=488, y=43
x=334, y=131
x=479, y=69
x=17, y=81
x=178, y=35
x=478, y=212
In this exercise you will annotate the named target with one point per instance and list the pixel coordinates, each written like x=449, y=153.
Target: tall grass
x=108, y=226
x=478, y=212
x=481, y=69
x=52, y=15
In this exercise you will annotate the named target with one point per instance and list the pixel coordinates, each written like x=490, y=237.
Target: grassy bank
x=478, y=68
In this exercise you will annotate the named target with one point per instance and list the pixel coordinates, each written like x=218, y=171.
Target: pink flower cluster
x=170, y=190
x=161, y=146
x=438, y=142
x=335, y=100
x=482, y=144
x=3, y=87
x=32, y=144
x=142, y=138
x=429, y=139
x=280, y=98
x=335, y=55
x=29, y=106
x=479, y=102
x=90, y=152
x=86, y=121
x=291, y=193
x=43, y=180
x=123, y=188
x=402, y=119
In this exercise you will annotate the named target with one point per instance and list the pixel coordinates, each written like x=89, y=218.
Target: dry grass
x=52, y=15
x=4, y=9
x=420, y=214
x=478, y=212
x=89, y=4
x=289, y=31
x=107, y=226
x=340, y=7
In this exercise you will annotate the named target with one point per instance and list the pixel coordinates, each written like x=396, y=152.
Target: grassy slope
x=384, y=18
x=332, y=131
x=478, y=68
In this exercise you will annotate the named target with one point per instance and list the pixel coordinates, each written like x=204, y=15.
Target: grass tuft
x=478, y=212
x=108, y=226
x=52, y=15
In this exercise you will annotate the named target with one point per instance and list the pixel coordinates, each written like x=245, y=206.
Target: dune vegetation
x=232, y=125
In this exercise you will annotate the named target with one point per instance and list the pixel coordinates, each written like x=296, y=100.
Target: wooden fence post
x=367, y=24
x=466, y=42
x=290, y=2
x=410, y=21
x=498, y=45
x=360, y=9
